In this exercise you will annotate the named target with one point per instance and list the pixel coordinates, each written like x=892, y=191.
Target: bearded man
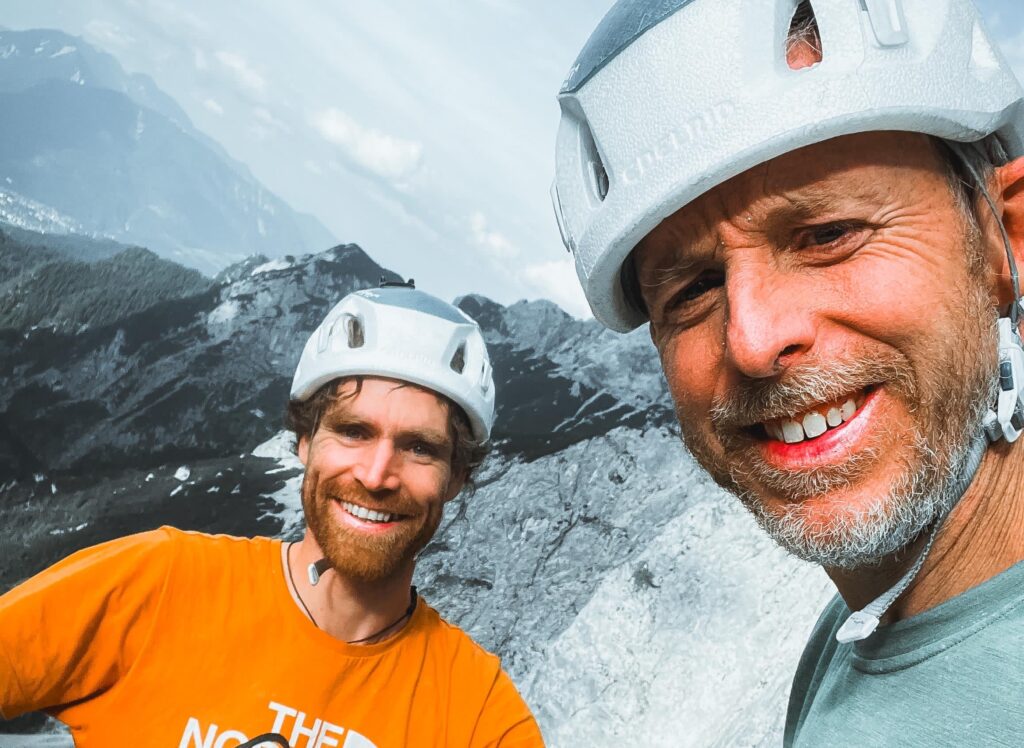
x=177, y=638
x=819, y=208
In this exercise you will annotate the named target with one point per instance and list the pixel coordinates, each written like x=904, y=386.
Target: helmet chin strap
x=1003, y=421
x=862, y=624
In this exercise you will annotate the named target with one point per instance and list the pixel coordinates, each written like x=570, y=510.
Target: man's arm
x=74, y=629
x=506, y=720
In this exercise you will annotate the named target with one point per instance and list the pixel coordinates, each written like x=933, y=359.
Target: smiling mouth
x=369, y=515
x=815, y=421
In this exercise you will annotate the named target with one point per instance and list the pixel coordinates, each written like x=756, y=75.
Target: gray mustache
x=752, y=401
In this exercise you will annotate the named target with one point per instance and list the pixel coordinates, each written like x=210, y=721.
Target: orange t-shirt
x=171, y=638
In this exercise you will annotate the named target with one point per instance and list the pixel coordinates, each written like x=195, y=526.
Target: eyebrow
x=808, y=204
x=669, y=269
x=334, y=419
x=434, y=438
x=428, y=436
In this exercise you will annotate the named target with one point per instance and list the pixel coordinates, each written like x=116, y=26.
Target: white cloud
x=383, y=154
x=107, y=34
x=199, y=59
x=494, y=243
x=213, y=106
x=243, y=73
x=556, y=280
x=264, y=116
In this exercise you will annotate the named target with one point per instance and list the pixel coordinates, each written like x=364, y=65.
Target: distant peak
x=542, y=306
x=342, y=251
x=474, y=302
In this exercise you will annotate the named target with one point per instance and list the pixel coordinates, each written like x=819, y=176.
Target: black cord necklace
x=407, y=614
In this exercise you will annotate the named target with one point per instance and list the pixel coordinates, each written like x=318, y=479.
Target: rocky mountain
x=632, y=601
x=87, y=148
x=74, y=296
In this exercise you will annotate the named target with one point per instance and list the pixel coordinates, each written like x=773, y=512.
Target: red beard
x=366, y=557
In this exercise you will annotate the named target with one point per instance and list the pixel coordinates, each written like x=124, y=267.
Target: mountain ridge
x=604, y=567
x=110, y=154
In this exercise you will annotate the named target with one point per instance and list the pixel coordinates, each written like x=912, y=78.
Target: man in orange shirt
x=172, y=638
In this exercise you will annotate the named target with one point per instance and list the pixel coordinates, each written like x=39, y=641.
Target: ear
x=455, y=484
x=303, y=449
x=1009, y=189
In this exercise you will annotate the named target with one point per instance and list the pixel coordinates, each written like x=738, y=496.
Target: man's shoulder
x=450, y=641
x=817, y=657
x=823, y=636
x=213, y=542
x=167, y=547
x=194, y=549
x=483, y=689
x=821, y=645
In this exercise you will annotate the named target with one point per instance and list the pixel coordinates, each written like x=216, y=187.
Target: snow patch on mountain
x=268, y=267
x=25, y=213
x=223, y=312
x=289, y=497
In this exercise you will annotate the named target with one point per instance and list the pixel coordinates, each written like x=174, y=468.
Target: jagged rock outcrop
x=632, y=601
x=199, y=376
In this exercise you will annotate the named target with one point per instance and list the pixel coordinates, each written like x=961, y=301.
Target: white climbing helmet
x=670, y=98
x=399, y=332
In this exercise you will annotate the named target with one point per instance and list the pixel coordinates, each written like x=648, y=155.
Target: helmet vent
x=485, y=377
x=354, y=330
x=599, y=179
x=458, y=362
x=596, y=176
x=803, y=42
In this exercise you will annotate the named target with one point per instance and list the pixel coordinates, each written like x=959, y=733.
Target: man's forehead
x=367, y=394
x=849, y=158
x=813, y=182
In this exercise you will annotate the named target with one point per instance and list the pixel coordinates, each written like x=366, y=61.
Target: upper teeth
x=811, y=423
x=363, y=513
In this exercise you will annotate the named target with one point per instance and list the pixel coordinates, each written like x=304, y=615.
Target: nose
x=770, y=325
x=376, y=468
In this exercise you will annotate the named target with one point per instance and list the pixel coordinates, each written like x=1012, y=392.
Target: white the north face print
x=301, y=730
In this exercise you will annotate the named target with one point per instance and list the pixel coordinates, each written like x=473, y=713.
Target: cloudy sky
x=421, y=130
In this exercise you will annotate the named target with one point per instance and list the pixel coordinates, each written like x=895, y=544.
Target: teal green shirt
x=951, y=676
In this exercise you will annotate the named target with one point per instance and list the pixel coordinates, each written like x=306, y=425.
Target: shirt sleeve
x=74, y=629
x=506, y=720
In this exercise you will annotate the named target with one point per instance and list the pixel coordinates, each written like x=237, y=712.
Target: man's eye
x=829, y=233
x=422, y=449
x=701, y=285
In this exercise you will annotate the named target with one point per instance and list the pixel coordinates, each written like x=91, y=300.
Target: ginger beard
x=945, y=397
x=365, y=557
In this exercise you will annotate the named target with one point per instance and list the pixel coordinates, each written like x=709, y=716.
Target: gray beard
x=952, y=405
x=860, y=537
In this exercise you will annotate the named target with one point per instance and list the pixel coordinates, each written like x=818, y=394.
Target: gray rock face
x=631, y=600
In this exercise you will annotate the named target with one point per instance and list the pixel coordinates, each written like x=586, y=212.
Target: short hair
x=302, y=418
